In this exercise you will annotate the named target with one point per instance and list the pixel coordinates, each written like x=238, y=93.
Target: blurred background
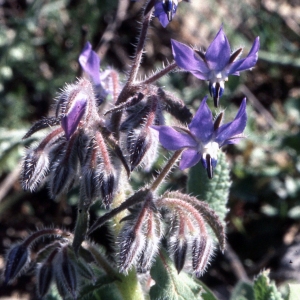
x=40, y=42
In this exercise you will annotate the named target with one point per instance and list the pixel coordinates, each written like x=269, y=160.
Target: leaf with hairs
x=173, y=286
x=214, y=191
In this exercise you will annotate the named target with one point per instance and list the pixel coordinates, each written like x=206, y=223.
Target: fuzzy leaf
x=97, y=290
x=173, y=286
x=243, y=291
x=214, y=191
x=264, y=289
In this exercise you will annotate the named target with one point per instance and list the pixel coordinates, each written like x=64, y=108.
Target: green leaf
x=173, y=286
x=98, y=290
x=294, y=291
x=264, y=289
x=243, y=291
x=214, y=191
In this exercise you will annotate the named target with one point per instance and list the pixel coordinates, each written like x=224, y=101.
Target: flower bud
x=71, y=120
x=65, y=273
x=64, y=169
x=44, y=278
x=35, y=168
x=202, y=250
x=180, y=254
x=17, y=261
x=36, y=163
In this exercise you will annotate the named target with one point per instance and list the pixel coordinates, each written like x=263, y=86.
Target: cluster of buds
x=179, y=219
x=55, y=263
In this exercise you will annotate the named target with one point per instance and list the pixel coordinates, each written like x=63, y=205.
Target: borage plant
x=169, y=237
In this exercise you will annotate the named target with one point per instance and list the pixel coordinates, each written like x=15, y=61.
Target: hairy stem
x=134, y=199
x=159, y=74
x=140, y=47
x=165, y=171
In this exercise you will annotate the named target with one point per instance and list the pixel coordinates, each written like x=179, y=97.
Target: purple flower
x=70, y=121
x=204, y=137
x=165, y=10
x=216, y=64
x=90, y=63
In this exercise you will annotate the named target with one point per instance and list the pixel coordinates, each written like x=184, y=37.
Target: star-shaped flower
x=204, y=137
x=216, y=64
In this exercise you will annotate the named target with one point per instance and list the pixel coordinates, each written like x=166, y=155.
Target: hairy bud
x=36, y=163
x=202, y=250
x=139, y=237
x=64, y=169
x=188, y=227
x=65, y=273
x=44, y=276
x=17, y=261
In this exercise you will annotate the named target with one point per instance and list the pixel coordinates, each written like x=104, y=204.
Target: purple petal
x=71, y=120
x=189, y=158
x=202, y=125
x=160, y=14
x=248, y=62
x=234, y=140
x=186, y=59
x=172, y=139
x=231, y=129
x=218, y=53
x=90, y=62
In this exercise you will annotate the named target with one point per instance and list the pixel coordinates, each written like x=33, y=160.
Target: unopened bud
x=107, y=186
x=73, y=116
x=202, y=250
x=65, y=273
x=17, y=260
x=34, y=170
x=44, y=278
x=180, y=254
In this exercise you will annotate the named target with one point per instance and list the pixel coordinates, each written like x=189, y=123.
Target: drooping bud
x=133, y=237
x=141, y=139
x=65, y=273
x=153, y=235
x=17, y=261
x=45, y=274
x=107, y=186
x=137, y=147
x=34, y=170
x=131, y=245
x=36, y=163
x=106, y=177
x=64, y=169
x=202, y=250
x=187, y=227
x=180, y=254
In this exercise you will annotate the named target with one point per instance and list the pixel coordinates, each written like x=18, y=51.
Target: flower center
x=210, y=148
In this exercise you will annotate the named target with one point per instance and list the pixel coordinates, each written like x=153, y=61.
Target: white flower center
x=210, y=148
x=218, y=77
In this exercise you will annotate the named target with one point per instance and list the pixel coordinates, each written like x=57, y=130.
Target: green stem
x=127, y=285
x=81, y=224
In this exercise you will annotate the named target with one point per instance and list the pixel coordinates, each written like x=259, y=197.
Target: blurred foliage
x=39, y=46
